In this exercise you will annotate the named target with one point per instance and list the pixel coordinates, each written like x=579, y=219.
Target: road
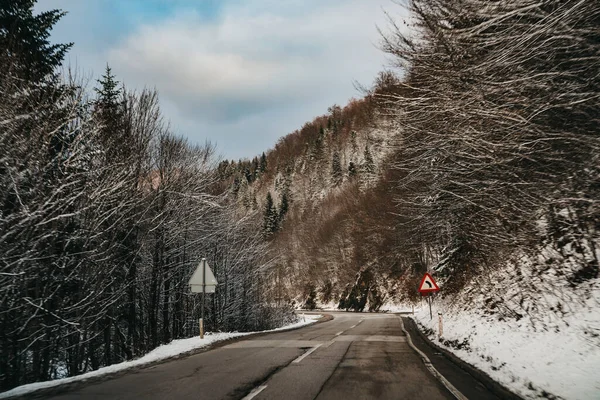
x=353, y=356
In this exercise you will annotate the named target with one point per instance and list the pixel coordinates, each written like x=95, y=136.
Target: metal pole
x=440, y=326
x=429, y=301
x=203, y=295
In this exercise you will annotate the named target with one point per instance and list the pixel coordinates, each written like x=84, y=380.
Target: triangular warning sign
x=428, y=284
x=196, y=281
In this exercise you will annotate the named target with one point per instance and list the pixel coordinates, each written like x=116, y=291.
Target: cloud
x=243, y=73
x=257, y=61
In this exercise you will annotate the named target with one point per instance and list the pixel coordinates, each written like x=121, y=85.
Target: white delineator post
x=440, y=326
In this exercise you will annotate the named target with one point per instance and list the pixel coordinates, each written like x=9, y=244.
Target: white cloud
x=257, y=72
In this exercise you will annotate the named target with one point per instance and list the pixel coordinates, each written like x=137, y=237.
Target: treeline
x=104, y=214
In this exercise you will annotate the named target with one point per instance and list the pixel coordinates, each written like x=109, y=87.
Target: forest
x=104, y=215
x=477, y=148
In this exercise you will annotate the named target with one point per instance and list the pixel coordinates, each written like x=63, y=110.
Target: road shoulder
x=470, y=381
x=78, y=384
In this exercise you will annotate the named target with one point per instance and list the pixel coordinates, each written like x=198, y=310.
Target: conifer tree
x=283, y=206
x=249, y=176
x=368, y=164
x=353, y=142
x=310, y=303
x=336, y=169
x=109, y=115
x=271, y=217
x=263, y=163
x=24, y=40
x=352, y=170
x=255, y=168
x=319, y=148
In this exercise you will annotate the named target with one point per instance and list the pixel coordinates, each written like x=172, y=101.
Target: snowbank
x=550, y=360
x=172, y=349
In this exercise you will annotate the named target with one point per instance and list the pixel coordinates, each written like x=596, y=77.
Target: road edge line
x=455, y=392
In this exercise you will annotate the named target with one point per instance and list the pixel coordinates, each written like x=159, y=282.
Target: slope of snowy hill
x=528, y=326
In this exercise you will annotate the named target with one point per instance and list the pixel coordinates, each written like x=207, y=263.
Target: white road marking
x=255, y=392
x=339, y=333
x=303, y=356
x=431, y=368
x=353, y=326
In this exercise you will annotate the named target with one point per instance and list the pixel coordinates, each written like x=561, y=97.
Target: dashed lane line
x=255, y=392
x=303, y=356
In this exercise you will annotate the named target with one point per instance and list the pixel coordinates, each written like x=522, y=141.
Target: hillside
x=325, y=181
x=485, y=172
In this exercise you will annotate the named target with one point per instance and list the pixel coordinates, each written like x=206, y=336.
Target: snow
x=557, y=357
x=163, y=352
x=396, y=307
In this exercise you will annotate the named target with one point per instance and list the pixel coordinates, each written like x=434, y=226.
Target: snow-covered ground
x=547, y=349
x=172, y=349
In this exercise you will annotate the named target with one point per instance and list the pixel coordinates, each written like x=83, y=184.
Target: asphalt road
x=353, y=356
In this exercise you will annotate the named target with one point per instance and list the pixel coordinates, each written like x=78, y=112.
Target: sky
x=237, y=73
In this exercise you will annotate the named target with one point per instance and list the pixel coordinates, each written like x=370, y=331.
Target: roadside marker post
x=203, y=281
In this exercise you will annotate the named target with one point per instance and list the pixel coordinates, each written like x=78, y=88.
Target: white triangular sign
x=428, y=284
x=196, y=281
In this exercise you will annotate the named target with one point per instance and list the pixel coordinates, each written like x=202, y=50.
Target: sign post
x=203, y=295
x=202, y=281
x=440, y=326
x=426, y=288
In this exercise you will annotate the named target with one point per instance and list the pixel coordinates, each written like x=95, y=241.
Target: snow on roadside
x=396, y=307
x=555, y=360
x=172, y=349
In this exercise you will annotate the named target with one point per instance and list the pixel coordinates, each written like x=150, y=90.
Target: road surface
x=353, y=356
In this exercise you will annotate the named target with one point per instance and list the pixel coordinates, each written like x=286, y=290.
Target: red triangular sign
x=428, y=284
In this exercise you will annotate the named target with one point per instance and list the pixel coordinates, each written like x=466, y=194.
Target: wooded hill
x=483, y=155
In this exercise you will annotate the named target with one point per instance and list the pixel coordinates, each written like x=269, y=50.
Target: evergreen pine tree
x=319, y=148
x=352, y=170
x=368, y=164
x=310, y=303
x=283, y=206
x=353, y=142
x=271, y=217
x=263, y=163
x=28, y=70
x=255, y=168
x=24, y=41
x=249, y=176
x=109, y=115
x=336, y=169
